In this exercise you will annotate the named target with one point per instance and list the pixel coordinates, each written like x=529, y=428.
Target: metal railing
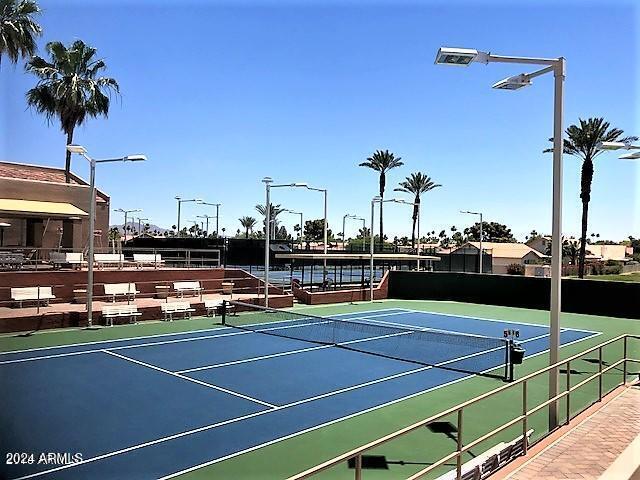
x=523, y=418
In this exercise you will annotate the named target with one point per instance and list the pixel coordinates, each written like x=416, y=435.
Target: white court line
x=188, y=339
x=244, y=417
x=189, y=332
x=290, y=352
x=409, y=310
x=189, y=379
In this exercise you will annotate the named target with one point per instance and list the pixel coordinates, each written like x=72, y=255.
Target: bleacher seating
x=187, y=287
x=114, y=290
x=142, y=259
x=109, y=312
x=176, y=308
x=32, y=294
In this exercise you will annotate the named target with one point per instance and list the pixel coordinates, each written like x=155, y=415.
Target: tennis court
x=163, y=405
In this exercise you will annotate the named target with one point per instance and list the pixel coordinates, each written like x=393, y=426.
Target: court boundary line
x=188, y=332
x=259, y=413
x=410, y=310
x=188, y=339
x=189, y=379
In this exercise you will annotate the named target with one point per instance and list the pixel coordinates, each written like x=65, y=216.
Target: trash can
x=517, y=354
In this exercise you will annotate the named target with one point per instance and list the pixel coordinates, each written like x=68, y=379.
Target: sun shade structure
x=34, y=207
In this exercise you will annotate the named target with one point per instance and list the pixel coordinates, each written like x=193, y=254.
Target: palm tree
x=18, y=29
x=274, y=211
x=382, y=162
x=247, y=223
x=582, y=142
x=69, y=87
x=416, y=184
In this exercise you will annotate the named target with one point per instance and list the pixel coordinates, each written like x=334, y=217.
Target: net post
x=509, y=362
x=224, y=312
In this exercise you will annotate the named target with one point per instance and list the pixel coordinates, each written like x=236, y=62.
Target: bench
x=142, y=259
x=109, y=312
x=486, y=464
x=32, y=294
x=212, y=306
x=74, y=260
x=11, y=260
x=104, y=259
x=227, y=289
x=183, y=287
x=126, y=289
x=176, y=308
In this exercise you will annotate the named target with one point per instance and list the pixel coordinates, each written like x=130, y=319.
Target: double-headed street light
x=217, y=205
x=140, y=220
x=180, y=201
x=126, y=214
x=466, y=56
x=80, y=150
x=324, y=262
x=344, y=236
x=268, y=181
x=207, y=217
x=480, y=214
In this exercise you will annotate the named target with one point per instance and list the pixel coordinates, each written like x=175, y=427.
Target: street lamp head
x=630, y=156
x=135, y=158
x=178, y=198
x=299, y=184
x=79, y=149
x=512, y=83
x=613, y=145
x=459, y=56
x=267, y=180
x=377, y=198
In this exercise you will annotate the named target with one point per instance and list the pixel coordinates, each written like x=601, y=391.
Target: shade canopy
x=37, y=208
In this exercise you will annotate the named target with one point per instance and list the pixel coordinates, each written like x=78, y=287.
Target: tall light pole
x=217, y=205
x=80, y=150
x=180, y=201
x=301, y=224
x=415, y=204
x=464, y=56
x=140, y=224
x=126, y=213
x=267, y=219
x=207, y=217
x=477, y=213
x=324, y=262
x=352, y=217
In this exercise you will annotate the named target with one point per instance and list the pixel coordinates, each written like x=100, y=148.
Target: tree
x=274, y=211
x=491, y=232
x=382, y=162
x=248, y=223
x=18, y=29
x=582, y=141
x=314, y=230
x=417, y=184
x=69, y=88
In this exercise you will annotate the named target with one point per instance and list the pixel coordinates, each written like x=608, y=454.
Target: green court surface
x=416, y=450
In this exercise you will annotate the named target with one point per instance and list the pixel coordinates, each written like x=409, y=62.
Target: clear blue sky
x=218, y=95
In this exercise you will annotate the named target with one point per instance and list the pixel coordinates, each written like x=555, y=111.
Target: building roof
x=503, y=250
x=42, y=173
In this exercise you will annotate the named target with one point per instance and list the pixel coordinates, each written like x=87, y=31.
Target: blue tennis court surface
x=154, y=407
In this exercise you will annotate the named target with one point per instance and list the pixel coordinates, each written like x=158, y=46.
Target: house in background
x=603, y=253
x=40, y=210
x=503, y=254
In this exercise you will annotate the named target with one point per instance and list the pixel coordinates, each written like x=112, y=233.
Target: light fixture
x=135, y=158
x=459, y=56
x=630, y=156
x=512, y=83
x=79, y=149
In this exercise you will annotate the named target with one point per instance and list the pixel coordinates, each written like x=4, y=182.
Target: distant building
x=503, y=254
x=40, y=210
x=595, y=252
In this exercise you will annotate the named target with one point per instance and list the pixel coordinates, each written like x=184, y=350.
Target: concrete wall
x=77, y=195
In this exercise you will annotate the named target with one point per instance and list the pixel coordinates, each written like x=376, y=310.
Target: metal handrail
x=357, y=453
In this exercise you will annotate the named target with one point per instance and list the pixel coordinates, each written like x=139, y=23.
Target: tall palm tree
x=18, y=29
x=382, y=162
x=582, y=141
x=417, y=184
x=69, y=87
x=274, y=211
x=247, y=223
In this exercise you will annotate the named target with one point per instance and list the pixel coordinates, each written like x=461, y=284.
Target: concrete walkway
x=591, y=447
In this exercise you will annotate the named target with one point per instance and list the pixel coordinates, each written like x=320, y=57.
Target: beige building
x=39, y=209
x=504, y=254
x=595, y=252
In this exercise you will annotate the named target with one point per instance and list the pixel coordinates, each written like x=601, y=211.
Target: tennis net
x=465, y=353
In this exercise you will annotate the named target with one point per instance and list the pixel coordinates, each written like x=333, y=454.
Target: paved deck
x=590, y=448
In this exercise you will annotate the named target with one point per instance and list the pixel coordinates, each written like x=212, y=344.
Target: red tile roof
x=42, y=173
